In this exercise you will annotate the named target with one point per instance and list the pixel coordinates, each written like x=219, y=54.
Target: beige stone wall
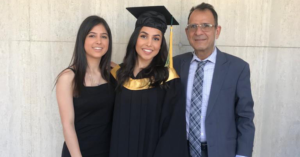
x=37, y=39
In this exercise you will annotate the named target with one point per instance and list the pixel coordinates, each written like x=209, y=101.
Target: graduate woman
x=84, y=93
x=149, y=114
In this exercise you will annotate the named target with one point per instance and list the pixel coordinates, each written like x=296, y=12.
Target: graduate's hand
x=113, y=64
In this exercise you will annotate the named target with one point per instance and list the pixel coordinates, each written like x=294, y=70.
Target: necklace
x=93, y=82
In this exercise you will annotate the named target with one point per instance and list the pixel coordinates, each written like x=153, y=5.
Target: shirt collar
x=212, y=58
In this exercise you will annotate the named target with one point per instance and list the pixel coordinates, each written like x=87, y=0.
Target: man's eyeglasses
x=205, y=27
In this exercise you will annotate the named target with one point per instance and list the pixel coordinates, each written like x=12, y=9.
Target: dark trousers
x=203, y=149
x=204, y=153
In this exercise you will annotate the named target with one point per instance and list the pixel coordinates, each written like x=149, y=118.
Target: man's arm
x=245, y=114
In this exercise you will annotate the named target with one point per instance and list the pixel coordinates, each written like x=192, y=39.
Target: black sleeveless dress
x=93, y=120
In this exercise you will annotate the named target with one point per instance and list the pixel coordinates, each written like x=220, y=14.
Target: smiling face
x=202, y=41
x=96, y=42
x=148, y=44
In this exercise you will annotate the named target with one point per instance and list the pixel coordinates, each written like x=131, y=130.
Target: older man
x=219, y=104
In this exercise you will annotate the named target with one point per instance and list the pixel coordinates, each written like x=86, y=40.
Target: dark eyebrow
x=147, y=33
x=96, y=33
x=144, y=32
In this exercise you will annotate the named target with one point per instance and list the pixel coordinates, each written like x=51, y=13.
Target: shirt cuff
x=239, y=156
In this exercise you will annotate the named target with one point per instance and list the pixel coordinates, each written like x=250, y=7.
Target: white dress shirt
x=207, y=80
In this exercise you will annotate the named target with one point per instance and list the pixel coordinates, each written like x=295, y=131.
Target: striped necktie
x=195, y=111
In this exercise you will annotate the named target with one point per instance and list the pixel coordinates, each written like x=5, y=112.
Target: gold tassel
x=169, y=62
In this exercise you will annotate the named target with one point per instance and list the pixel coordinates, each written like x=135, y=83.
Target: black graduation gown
x=150, y=122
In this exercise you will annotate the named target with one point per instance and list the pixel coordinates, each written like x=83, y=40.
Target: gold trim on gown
x=141, y=84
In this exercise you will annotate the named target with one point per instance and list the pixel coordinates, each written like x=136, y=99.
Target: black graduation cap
x=153, y=16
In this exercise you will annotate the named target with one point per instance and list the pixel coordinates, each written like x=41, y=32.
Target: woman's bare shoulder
x=66, y=76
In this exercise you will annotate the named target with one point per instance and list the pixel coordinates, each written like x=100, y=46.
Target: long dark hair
x=155, y=71
x=79, y=61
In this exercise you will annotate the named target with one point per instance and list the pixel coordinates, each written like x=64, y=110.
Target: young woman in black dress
x=149, y=114
x=85, y=94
